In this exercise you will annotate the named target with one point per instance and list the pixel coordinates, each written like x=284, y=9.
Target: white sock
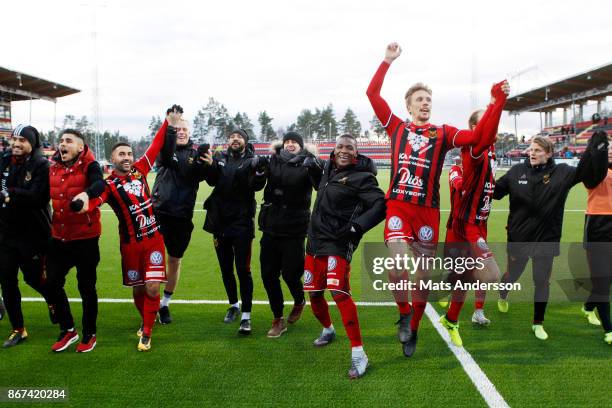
x=329, y=330
x=165, y=300
x=357, y=351
x=236, y=305
x=246, y=315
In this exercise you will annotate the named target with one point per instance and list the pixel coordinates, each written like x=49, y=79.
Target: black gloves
x=203, y=149
x=260, y=163
x=313, y=162
x=599, y=140
x=76, y=205
x=351, y=233
x=176, y=108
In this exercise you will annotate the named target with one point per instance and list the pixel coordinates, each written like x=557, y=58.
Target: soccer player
x=236, y=175
x=180, y=169
x=539, y=183
x=294, y=171
x=74, y=177
x=142, y=245
x=418, y=149
x=455, y=181
x=25, y=224
x=597, y=237
x=471, y=212
x=348, y=204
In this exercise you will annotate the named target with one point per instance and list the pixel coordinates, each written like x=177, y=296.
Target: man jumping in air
x=413, y=199
x=142, y=245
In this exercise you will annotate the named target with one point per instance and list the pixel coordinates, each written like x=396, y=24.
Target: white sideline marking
x=482, y=383
x=484, y=386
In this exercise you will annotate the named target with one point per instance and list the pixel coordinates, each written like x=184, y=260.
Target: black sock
x=603, y=308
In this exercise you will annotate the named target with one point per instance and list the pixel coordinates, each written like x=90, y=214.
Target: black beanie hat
x=242, y=133
x=30, y=133
x=296, y=137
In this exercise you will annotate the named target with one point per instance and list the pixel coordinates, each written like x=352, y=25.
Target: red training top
x=130, y=197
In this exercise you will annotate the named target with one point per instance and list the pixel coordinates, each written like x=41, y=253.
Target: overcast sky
x=284, y=56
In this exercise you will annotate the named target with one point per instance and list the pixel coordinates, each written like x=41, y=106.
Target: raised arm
x=173, y=118
x=487, y=126
x=388, y=120
x=593, y=166
x=145, y=163
x=491, y=118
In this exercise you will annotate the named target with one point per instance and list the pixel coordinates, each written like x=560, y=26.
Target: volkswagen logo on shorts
x=156, y=258
x=307, y=277
x=331, y=263
x=133, y=275
x=426, y=233
x=395, y=223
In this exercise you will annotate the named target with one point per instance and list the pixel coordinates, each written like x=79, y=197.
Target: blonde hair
x=419, y=86
x=544, y=142
x=473, y=120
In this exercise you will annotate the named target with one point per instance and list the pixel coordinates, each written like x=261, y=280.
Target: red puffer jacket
x=66, y=183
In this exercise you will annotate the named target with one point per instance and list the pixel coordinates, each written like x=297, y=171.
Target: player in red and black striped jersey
x=141, y=243
x=470, y=213
x=418, y=149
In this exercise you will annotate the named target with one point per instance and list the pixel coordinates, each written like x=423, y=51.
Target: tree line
x=213, y=121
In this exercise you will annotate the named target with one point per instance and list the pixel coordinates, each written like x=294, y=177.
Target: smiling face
x=122, y=159
x=345, y=151
x=182, y=133
x=236, y=142
x=20, y=146
x=70, y=146
x=292, y=146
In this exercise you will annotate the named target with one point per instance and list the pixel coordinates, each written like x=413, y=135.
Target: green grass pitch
x=200, y=361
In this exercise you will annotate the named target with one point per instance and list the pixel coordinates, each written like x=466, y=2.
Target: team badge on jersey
x=136, y=174
x=28, y=176
x=331, y=263
x=395, y=223
x=307, y=277
x=546, y=179
x=134, y=187
x=133, y=275
x=432, y=132
x=417, y=142
x=426, y=233
x=156, y=258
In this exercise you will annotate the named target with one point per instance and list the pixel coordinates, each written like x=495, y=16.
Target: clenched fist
x=392, y=52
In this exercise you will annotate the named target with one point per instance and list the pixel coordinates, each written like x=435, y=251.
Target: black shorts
x=176, y=232
x=597, y=228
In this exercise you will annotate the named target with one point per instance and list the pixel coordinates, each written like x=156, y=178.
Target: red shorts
x=143, y=262
x=413, y=224
x=476, y=235
x=326, y=272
